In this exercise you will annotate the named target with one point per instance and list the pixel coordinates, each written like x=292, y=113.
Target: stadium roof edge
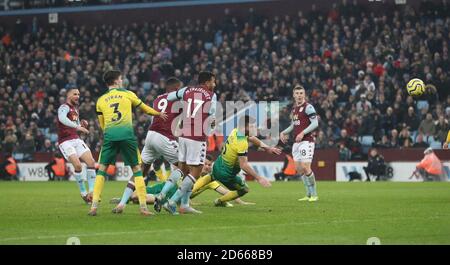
x=37, y=11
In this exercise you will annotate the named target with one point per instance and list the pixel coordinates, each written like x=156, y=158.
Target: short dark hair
x=110, y=76
x=204, y=77
x=209, y=157
x=172, y=81
x=246, y=120
x=70, y=89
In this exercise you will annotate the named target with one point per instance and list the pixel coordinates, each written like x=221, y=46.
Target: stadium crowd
x=353, y=63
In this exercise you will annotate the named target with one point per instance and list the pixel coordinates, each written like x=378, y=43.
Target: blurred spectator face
x=410, y=111
x=389, y=111
x=28, y=136
x=373, y=152
x=394, y=134
x=343, y=133
x=429, y=117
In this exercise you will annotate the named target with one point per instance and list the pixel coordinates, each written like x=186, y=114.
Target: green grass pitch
x=347, y=213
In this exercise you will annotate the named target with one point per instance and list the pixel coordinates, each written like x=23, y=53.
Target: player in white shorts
x=71, y=146
x=304, y=123
x=159, y=142
x=198, y=104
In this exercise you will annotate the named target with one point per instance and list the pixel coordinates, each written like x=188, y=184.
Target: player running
x=114, y=110
x=232, y=159
x=198, y=103
x=70, y=144
x=160, y=142
x=304, y=122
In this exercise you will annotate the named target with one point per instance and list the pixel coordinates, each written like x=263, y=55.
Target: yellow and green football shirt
x=226, y=167
x=236, y=145
x=116, y=107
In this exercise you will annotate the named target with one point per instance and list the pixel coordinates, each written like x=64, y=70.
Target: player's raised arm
x=176, y=95
x=311, y=112
x=62, y=117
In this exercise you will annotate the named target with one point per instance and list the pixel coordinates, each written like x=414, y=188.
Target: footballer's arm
x=271, y=150
x=244, y=165
x=285, y=134
x=62, y=117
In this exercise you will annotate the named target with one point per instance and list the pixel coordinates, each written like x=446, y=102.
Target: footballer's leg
x=148, y=155
x=87, y=158
x=237, y=187
x=222, y=190
x=195, y=159
x=132, y=157
x=301, y=171
x=78, y=178
x=201, y=185
x=107, y=157
x=98, y=188
x=310, y=181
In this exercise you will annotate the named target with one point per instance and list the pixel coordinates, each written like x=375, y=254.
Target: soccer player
x=70, y=144
x=233, y=158
x=114, y=110
x=198, y=103
x=213, y=185
x=447, y=141
x=160, y=142
x=304, y=122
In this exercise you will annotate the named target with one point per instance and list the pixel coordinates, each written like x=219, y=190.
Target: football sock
x=186, y=186
x=171, y=182
x=231, y=195
x=305, y=183
x=159, y=174
x=140, y=188
x=185, y=199
x=90, y=173
x=80, y=183
x=201, y=185
x=127, y=193
x=98, y=187
x=311, y=184
x=167, y=175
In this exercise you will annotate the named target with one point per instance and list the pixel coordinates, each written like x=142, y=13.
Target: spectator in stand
x=404, y=135
x=47, y=147
x=411, y=120
x=442, y=127
x=420, y=143
x=394, y=141
x=357, y=51
x=427, y=126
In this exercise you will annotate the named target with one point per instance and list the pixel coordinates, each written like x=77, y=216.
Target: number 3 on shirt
x=116, y=111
